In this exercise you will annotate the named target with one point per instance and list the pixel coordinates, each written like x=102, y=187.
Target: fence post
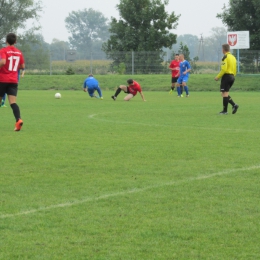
x=238, y=61
x=50, y=64
x=133, y=63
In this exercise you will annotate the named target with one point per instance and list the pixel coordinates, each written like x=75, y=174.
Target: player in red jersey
x=11, y=61
x=131, y=90
x=175, y=68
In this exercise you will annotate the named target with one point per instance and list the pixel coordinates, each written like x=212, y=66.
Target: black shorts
x=174, y=80
x=8, y=88
x=227, y=82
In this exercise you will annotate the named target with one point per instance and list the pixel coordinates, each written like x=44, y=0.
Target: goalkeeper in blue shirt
x=185, y=69
x=91, y=85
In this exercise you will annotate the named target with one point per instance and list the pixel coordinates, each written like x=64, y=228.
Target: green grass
x=164, y=179
x=197, y=82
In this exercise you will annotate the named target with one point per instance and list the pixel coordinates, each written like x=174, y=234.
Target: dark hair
x=11, y=38
x=130, y=81
x=90, y=75
x=226, y=47
x=177, y=54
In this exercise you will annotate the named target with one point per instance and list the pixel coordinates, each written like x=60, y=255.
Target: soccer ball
x=58, y=95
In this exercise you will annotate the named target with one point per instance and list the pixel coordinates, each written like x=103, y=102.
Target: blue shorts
x=91, y=91
x=183, y=78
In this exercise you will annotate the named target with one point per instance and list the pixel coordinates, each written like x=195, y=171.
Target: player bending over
x=91, y=85
x=11, y=61
x=131, y=90
x=185, y=69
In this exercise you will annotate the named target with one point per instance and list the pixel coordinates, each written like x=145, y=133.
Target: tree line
x=144, y=26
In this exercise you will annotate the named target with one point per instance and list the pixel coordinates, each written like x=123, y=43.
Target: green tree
x=144, y=26
x=15, y=14
x=36, y=51
x=244, y=16
x=88, y=29
x=184, y=49
x=191, y=41
x=241, y=15
x=59, y=49
x=213, y=44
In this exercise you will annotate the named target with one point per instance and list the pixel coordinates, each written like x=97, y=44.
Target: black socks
x=16, y=111
x=225, y=103
x=230, y=101
x=118, y=92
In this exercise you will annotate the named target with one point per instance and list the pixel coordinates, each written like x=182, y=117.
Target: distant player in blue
x=4, y=97
x=185, y=69
x=91, y=85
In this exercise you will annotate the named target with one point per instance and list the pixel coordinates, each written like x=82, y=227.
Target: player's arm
x=142, y=95
x=2, y=60
x=23, y=72
x=85, y=87
x=188, y=68
x=171, y=67
x=223, y=68
x=21, y=63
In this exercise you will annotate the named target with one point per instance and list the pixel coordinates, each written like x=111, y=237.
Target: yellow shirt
x=228, y=66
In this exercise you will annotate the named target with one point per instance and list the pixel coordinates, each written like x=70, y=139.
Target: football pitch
x=97, y=179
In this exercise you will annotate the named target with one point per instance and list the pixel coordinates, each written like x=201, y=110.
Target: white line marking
x=121, y=193
x=94, y=116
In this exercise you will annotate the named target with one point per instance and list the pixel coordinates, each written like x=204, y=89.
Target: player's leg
x=91, y=92
x=98, y=89
x=230, y=100
x=181, y=86
x=12, y=93
x=119, y=89
x=128, y=97
x=2, y=93
x=178, y=86
x=224, y=95
x=224, y=89
x=3, y=101
x=186, y=88
x=174, y=80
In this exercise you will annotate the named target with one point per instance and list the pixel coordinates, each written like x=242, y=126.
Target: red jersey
x=14, y=59
x=133, y=89
x=175, y=65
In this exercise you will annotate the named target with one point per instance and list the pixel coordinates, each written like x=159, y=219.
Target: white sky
x=197, y=16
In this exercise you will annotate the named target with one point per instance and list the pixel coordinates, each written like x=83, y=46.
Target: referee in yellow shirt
x=227, y=75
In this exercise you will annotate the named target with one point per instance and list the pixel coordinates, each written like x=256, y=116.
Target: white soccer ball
x=58, y=95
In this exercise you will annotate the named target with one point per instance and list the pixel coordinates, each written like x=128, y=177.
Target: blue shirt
x=184, y=65
x=90, y=83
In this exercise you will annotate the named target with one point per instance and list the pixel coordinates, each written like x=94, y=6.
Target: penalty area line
x=132, y=191
x=236, y=130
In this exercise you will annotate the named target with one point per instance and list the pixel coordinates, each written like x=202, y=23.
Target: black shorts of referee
x=227, y=82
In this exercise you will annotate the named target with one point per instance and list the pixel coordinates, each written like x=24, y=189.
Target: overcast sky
x=197, y=17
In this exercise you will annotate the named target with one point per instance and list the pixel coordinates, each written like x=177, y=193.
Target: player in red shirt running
x=175, y=68
x=11, y=61
x=131, y=90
